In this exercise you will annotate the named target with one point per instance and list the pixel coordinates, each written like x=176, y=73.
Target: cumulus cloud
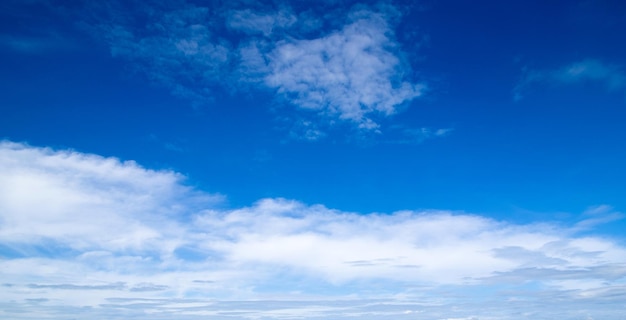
x=349, y=70
x=611, y=76
x=82, y=231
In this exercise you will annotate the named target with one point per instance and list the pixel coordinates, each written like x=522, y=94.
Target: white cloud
x=611, y=76
x=86, y=202
x=352, y=73
x=79, y=230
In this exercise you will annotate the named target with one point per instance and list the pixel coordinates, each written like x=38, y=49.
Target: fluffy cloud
x=88, y=202
x=351, y=73
x=80, y=230
x=611, y=76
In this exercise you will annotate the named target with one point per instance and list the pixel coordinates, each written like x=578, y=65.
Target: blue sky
x=300, y=160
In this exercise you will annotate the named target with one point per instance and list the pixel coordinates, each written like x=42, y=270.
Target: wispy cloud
x=39, y=44
x=265, y=24
x=611, y=76
x=124, y=239
x=598, y=215
x=174, y=47
x=350, y=70
x=407, y=135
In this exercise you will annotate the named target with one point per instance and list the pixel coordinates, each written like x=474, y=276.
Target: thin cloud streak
x=103, y=230
x=613, y=77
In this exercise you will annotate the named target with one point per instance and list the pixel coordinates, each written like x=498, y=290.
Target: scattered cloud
x=305, y=130
x=611, y=76
x=177, y=48
x=350, y=70
x=126, y=240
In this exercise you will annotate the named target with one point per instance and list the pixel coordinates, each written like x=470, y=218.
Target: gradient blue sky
x=418, y=160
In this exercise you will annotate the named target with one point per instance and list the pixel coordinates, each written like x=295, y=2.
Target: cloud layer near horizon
x=80, y=230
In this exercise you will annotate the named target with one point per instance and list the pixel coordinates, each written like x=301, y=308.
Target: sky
x=312, y=159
